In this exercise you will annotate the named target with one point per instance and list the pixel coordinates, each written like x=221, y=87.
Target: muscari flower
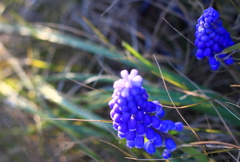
x=212, y=38
x=138, y=120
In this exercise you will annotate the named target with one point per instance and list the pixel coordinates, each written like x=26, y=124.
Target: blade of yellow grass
x=168, y=77
x=210, y=130
x=96, y=31
x=216, y=143
x=13, y=99
x=87, y=120
x=50, y=93
x=38, y=63
x=54, y=36
x=16, y=67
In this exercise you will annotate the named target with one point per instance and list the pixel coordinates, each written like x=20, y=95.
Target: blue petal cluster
x=138, y=120
x=212, y=38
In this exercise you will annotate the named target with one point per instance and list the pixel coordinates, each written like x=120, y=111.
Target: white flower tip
x=133, y=73
x=137, y=81
x=124, y=74
x=137, y=78
x=119, y=84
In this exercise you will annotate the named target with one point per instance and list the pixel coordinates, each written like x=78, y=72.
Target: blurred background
x=60, y=58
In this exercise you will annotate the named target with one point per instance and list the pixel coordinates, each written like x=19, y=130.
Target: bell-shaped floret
x=121, y=136
x=150, y=134
x=124, y=74
x=126, y=116
x=144, y=106
x=135, y=90
x=151, y=108
x=214, y=64
x=163, y=127
x=166, y=154
x=139, y=142
x=229, y=60
x=147, y=120
x=137, y=81
x=171, y=124
x=158, y=105
x=117, y=118
x=115, y=126
x=119, y=84
x=160, y=113
x=155, y=122
x=158, y=140
x=141, y=130
x=123, y=128
x=199, y=54
x=111, y=103
x=132, y=124
x=134, y=110
x=130, y=144
x=139, y=116
x=149, y=147
x=170, y=144
x=178, y=126
x=121, y=101
x=130, y=135
x=133, y=73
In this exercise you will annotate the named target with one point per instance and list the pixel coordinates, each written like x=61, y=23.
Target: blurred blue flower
x=149, y=147
x=212, y=38
x=139, y=141
x=178, y=126
x=166, y=154
x=134, y=119
x=170, y=144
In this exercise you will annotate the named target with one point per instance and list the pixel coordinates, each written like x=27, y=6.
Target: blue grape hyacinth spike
x=138, y=120
x=212, y=38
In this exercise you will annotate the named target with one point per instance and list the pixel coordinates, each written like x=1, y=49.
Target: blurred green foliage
x=46, y=44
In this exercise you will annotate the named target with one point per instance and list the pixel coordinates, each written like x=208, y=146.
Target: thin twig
x=88, y=86
x=117, y=148
x=178, y=32
x=87, y=120
x=175, y=106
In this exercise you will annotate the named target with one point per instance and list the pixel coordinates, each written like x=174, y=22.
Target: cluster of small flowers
x=212, y=38
x=137, y=119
